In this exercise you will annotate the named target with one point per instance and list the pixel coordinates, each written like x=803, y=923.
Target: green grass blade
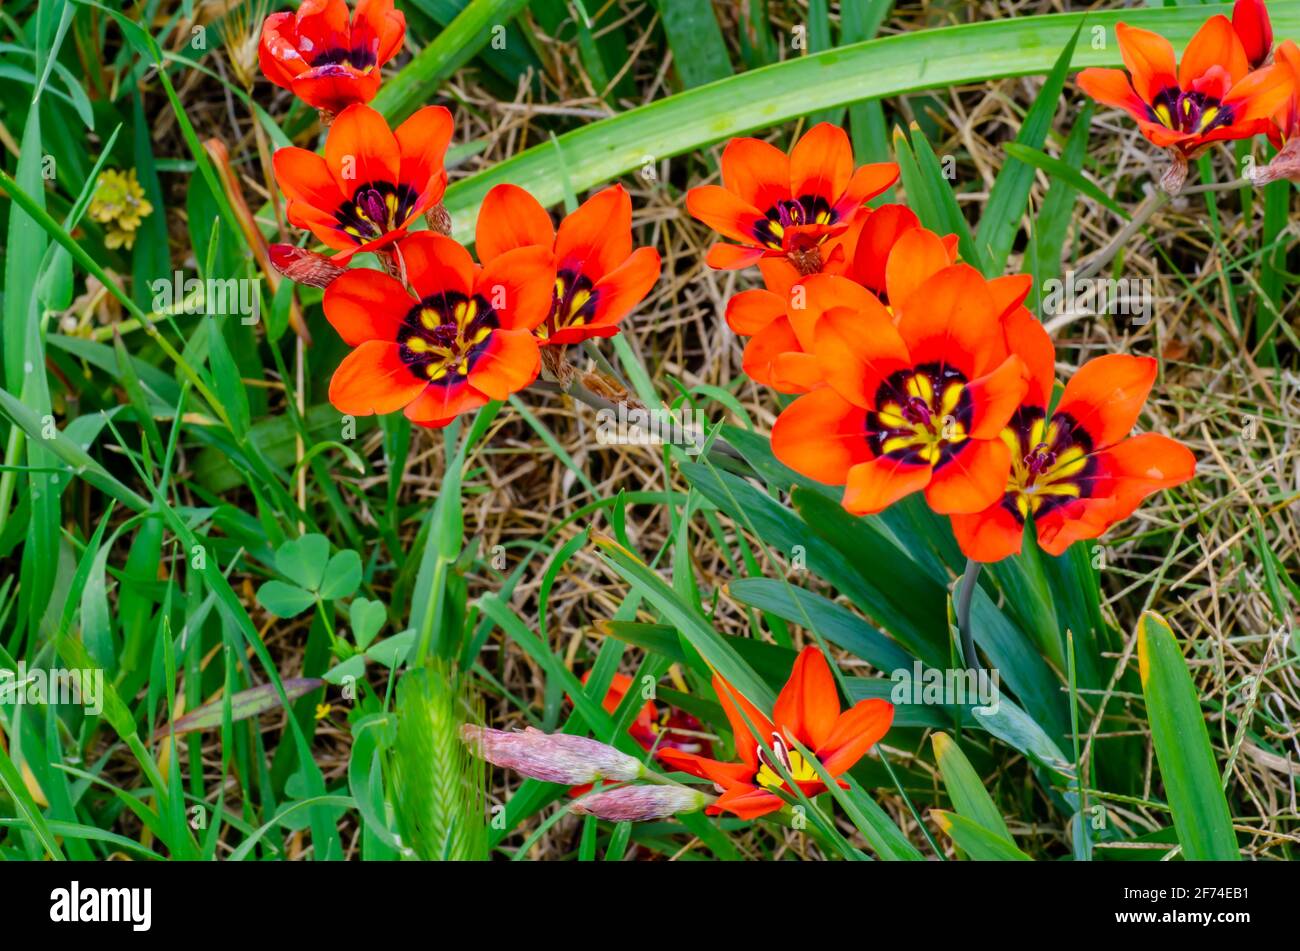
x=966, y=789
x=976, y=841
x=1000, y=219
x=1193, y=787
x=455, y=46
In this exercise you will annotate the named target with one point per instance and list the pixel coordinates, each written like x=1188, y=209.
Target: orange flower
x=1251, y=24
x=599, y=278
x=463, y=339
x=371, y=182
x=1078, y=472
x=915, y=400
x=1286, y=120
x=328, y=62
x=808, y=711
x=777, y=317
x=786, y=206
x=1211, y=95
x=1285, y=132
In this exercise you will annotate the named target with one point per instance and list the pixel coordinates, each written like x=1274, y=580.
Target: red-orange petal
x=746, y=720
x=821, y=164
x=995, y=396
x=990, y=535
x=746, y=802
x=808, y=705
x=750, y=311
x=1215, y=44
x=378, y=27
x=1111, y=87
x=875, y=485
x=364, y=304
x=856, y=731
x=1009, y=291
x=795, y=372
x=596, y=238
x=757, y=173
x=822, y=436
x=1141, y=465
x=422, y=142
x=724, y=212
x=1149, y=58
x=361, y=149
x=1029, y=340
x=1261, y=94
x=436, y=265
x=867, y=182
x=883, y=227
x=1105, y=396
x=508, y=362
x=303, y=176
x=724, y=774
x=277, y=54
x=321, y=224
x=325, y=22
x=620, y=290
x=916, y=257
x=779, y=275
x=511, y=218
x=335, y=87
x=439, y=404
x=1078, y=520
x=373, y=379
x=766, y=347
x=520, y=286
x=951, y=320
x=970, y=480
x=858, y=349
x=730, y=257
x=1251, y=24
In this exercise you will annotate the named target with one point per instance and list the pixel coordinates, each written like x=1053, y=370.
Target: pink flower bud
x=638, y=803
x=303, y=266
x=1286, y=164
x=551, y=757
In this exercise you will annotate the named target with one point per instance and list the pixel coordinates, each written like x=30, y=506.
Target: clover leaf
x=316, y=575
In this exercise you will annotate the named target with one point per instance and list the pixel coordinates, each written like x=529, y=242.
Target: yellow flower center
x=1046, y=464
x=800, y=769
x=921, y=415
x=443, y=336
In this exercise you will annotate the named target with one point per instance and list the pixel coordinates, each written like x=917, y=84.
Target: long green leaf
x=1193, y=786
x=1010, y=194
x=763, y=98
x=453, y=48
x=966, y=789
x=976, y=841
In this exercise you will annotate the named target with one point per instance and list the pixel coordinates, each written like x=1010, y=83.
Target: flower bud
x=551, y=757
x=638, y=803
x=1286, y=164
x=1251, y=24
x=303, y=266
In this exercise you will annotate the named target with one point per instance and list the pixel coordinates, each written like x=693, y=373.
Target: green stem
x=965, y=592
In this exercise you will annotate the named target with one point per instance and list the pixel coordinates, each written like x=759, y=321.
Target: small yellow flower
x=323, y=710
x=115, y=237
x=119, y=203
